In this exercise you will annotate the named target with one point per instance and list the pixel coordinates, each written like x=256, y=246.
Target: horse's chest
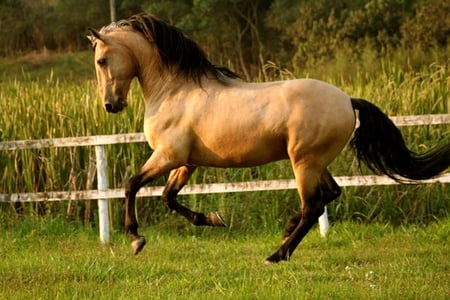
x=159, y=130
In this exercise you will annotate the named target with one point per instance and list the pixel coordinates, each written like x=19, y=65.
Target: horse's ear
x=95, y=35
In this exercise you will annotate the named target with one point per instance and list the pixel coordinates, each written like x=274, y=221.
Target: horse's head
x=115, y=68
x=154, y=51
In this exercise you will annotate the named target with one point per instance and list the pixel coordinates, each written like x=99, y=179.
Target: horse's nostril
x=108, y=107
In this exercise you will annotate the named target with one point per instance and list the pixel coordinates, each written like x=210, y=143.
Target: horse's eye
x=101, y=62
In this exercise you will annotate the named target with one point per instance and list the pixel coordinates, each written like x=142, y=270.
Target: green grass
x=53, y=259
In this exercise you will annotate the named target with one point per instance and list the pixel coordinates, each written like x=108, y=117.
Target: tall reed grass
x=49, y=107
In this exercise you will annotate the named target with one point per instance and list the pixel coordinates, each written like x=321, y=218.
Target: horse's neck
x=154, y=86
x=159, y=86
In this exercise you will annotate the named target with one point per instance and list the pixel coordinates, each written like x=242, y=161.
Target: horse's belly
x=245, y=153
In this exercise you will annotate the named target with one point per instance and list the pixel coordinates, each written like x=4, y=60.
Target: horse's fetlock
x=199, y=219
x=131, y=228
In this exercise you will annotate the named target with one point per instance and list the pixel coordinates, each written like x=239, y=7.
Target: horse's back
x=302, y=93
x=313, y=92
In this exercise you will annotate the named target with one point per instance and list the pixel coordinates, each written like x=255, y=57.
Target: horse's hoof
x=274, y=259
x=269, y=263
x=138, y=244
x=216, y=219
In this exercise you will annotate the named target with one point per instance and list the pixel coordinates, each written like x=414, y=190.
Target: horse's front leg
x=131, y=224
x=153, y=168
x=177, y=179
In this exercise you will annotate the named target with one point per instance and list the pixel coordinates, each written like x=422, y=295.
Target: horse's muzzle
x=115, y=107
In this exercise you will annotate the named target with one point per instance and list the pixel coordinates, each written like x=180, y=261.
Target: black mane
x=176, y=50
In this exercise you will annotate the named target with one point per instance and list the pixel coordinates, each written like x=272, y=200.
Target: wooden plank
x=95, y=140
x=102, y=184
x=213, y=188
x=433, y=119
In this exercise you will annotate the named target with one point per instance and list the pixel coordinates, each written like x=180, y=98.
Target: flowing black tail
x=380, y=145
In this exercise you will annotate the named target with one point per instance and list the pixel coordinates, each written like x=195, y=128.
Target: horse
x=200, y=114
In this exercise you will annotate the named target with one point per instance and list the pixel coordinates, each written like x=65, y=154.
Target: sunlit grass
x=54, y=260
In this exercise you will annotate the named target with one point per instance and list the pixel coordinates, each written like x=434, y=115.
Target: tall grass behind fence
x=47, y=108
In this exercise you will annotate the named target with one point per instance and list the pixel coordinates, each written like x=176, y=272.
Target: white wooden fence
x=103, y=193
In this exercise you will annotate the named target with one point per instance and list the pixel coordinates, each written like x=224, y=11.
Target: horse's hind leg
x=177, y=179
x=329, y=189
x=315, y=191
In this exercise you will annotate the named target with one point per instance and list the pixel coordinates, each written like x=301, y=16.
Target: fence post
x=323, y=223
x=102, y=184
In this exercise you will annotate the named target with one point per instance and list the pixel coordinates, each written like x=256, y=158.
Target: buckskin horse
x=199, y=114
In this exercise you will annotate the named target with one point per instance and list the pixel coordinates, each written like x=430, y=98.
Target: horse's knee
x=133, y=185
x=128, y=189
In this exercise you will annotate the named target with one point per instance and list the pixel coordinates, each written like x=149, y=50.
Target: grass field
x=393, y=242
x=50, y=259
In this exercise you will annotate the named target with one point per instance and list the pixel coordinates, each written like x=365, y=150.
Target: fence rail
x=103, y=193
x=211, y=188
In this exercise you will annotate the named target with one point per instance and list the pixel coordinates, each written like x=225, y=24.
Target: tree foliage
x=242, y=34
